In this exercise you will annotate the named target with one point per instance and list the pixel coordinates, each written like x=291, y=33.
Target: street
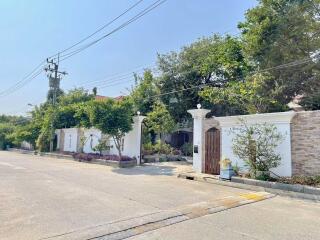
x=48, y=198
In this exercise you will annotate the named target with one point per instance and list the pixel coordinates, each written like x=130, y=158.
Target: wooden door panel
x=212, y=151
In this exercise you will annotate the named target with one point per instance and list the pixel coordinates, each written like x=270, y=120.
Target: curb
x=281, y=192
x=16, y=150
x=280, y=186
x=110, y=163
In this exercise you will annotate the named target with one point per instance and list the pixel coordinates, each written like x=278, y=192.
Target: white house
x=300, y=149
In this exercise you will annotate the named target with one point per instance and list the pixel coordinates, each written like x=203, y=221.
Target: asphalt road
x=47, y=198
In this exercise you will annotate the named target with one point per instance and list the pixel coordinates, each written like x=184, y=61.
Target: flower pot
x=226, y=172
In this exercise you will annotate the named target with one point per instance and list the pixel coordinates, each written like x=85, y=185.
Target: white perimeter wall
x=282, y=122
x=92, y=137
x=284, y=149
x=131, y=146
x=70, y=139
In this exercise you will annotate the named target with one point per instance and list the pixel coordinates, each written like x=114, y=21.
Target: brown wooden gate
x=212, y=154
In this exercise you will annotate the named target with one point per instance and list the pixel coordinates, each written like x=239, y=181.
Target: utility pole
x=54, y=76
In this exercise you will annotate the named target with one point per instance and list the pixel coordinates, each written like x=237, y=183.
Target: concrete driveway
x=47, y=198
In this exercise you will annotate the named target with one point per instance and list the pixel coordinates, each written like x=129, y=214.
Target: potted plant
x=226, y=169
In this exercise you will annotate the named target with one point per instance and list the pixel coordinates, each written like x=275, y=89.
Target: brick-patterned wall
x=305, y=143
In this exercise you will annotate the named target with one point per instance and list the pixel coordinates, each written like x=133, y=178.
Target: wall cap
x=198, y=113
x=278, y=117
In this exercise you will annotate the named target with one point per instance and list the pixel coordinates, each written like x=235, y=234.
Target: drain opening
x=189, y=178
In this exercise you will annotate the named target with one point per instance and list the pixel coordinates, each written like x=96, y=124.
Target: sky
x=33, y=30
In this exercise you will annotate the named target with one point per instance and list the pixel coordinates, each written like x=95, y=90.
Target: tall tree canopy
x=216, y=61
x=282, y=31
x=143, y=92
x=113, y=118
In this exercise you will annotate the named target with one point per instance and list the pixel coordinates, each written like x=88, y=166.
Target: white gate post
x=198, y=116
x=137, y=123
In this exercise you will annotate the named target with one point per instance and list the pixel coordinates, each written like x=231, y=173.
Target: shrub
x=90, y=156
x=103, y=145
x=255, y=144
x=176, y=152
x=148, y=148
x=83, y=156
x=162, y=148
x=159, y=147
x=303, y=180
x=187, y=149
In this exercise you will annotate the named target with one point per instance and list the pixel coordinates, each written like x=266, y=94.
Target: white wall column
x=139, y=120
x=132, y=140
x=198, y=116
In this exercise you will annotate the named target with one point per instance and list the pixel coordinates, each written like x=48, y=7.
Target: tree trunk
x=117, y=141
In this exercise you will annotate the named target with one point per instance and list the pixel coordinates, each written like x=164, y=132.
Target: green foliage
x=283, y=31
x=215, y=60
x=70, y=111
x=48, y=124
x=103, y=145
x=50, y=95
x=113, y=118
x=273, y=33
x=74, y=96
x=8, y=127
x=148, y=147
x=240, y=98
x=311, y=102
x=5, y=130
x=26, y=133
x=160, y=120
x=162, y=148
x=187, y=149
x=143, y=92
x=255, y=145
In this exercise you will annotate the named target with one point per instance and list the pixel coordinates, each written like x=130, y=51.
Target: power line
x=115, y=77
x=21, y=84
x=99, y=29
x=133, y=19
x=290, y=64
x=26, y=79
x=29, y=77
x=117, y=81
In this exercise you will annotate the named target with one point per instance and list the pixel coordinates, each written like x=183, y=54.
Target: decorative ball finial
x=138, y=113
x=198, y=105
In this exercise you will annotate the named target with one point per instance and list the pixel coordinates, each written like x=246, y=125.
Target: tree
x=283, y=31
x=5, y=130
x=48, y=125
x=214, y=61
x=50, y=93
x=255, y=144
x=238, y=98
x=143, y=92
x=76, y=95
x=311, y=101
x=113, y=118
x=9, y=125
x=26, y=133
x=70, y=109
x=160, y=120
x=94, y=91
